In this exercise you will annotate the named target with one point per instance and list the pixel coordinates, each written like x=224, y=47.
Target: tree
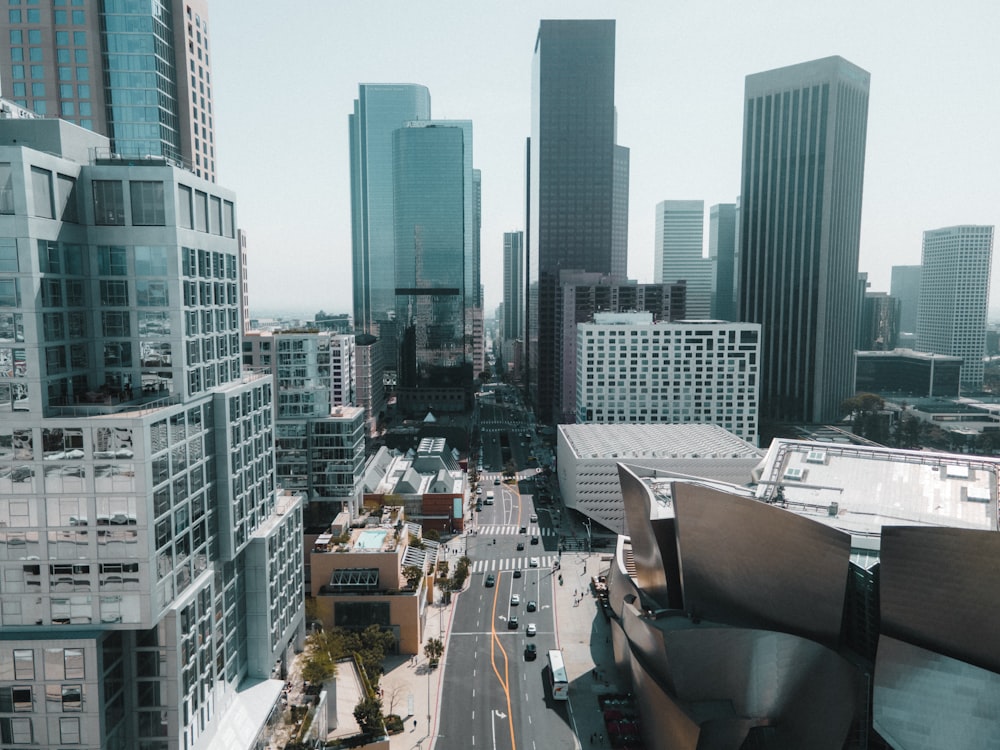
x=485, y=376
x=433, y=534
x=413, y=574
x=368, y=714
x=321, y=657
x=433, y=649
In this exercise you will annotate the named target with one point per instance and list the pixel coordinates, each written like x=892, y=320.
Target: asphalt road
x=492, y=697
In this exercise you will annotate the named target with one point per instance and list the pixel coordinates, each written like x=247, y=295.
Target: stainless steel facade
x=732, y=617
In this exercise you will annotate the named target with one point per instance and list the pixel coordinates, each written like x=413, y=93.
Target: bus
x=489, y=497
x=557, y=676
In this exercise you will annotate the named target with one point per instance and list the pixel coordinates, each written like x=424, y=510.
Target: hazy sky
x=286, y=75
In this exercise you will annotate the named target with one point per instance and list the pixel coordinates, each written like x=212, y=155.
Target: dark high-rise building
x=379, y=110
x=800, y=219
x=138, y=73
x=429, y=210
x=722, y=254
x=571, y=178
x=879, y=329
x=513, y=285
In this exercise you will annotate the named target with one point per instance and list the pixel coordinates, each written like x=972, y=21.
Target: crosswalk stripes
x=513, y=563
x=503, y=529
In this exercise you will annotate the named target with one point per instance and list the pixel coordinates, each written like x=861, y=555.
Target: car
x=532, y=605
x=491, y=580
x=479, y=507
x=517, y=572
x=533, y=518
x=520, y=546
x=479, y=490
x=496, y=481
x=530, y=652
x=524, y=530
x=515, y=599
x=530, y=630
x=534, y=540
x=512, y=623
x=533, y=562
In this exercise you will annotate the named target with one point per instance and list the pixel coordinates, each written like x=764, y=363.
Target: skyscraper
x=804, y=136
x=678, y=247
x=905, y=286
x=619, y=213
x=431, y=200
x=722, y=234
x=513, y=285
x=379, y=110
x=138, y=73
x=954, y=295
x=571, y=178
x=151, y=567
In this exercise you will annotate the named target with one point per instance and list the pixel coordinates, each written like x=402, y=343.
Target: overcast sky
x=285, y=76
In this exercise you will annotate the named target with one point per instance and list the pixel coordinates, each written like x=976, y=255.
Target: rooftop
x=634, y=441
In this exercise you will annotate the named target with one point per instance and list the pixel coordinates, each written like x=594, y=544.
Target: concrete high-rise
x=571, y=178
x=619, y=213
x=513, y=286
x=379, y=110
x=905, y=286
x=722, y=252
x=431, y=175
x=151, y=567
x=138, y=73
x=954, y=296
x=804, y=137
x=678, y=247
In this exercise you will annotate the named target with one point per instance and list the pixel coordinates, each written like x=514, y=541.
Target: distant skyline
x=285, y=83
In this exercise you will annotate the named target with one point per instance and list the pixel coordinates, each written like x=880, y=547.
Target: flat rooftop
x=636, y=441
x=860, y=489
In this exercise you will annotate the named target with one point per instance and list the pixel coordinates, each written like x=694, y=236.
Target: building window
x=112, y=261
x=41, y=190
x=147, y=203
x=109, y=203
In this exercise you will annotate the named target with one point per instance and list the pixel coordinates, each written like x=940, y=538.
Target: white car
x=533, y=518
x=533, y=562
x=515, y=599
x=531, y=629
x=479, y=490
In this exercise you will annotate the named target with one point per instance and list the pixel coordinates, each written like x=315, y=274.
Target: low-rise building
x=588, y=456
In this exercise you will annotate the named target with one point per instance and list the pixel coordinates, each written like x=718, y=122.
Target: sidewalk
x=584, y=637
x=410, y=688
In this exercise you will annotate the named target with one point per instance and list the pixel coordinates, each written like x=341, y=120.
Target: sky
x=285, y=76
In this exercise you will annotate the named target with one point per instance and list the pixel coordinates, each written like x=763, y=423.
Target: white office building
x=954, y=296
x=150, y=570
x=630, y=369
x=680, y=231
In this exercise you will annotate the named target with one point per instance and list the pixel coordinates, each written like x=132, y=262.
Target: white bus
x=558, y=680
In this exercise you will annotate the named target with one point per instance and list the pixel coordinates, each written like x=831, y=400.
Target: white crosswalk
x=513, y=563
x=503, y=529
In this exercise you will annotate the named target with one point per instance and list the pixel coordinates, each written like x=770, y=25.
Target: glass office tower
x=429, y=194
x=379, y=110
x=137, y=72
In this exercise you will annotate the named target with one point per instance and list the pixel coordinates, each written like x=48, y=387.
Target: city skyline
x=679, y=100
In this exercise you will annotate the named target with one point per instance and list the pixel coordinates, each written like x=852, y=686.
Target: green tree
x=432, y=534
x=413, y=574
x=433, y=649
x=368, y=714
x=320, y=658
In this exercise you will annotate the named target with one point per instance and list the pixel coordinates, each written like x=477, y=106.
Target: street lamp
x=586, y=522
